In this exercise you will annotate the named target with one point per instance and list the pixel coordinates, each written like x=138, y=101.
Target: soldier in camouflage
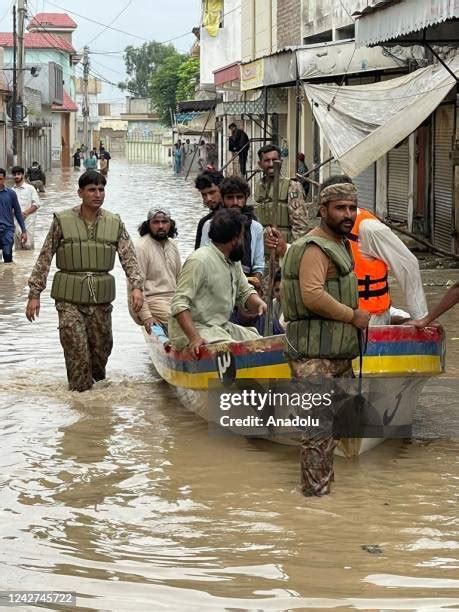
x=85, y=240
x=294, y=215
x=320, y=303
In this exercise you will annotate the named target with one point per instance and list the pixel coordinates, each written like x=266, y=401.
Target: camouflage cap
x=340, y=191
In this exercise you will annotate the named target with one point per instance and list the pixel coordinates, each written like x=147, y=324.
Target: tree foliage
x=163, y=87
x=141, y=63
x=188, y=78
x=161, y=73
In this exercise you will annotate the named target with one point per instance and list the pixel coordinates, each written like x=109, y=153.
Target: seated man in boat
x=247, y=318
x=159, y=262
x=376, y=250
x=235, y=192
x=210, y=285
x=208, y=184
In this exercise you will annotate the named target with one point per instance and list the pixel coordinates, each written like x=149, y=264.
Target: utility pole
x=85, y=109
x=15, y=93
x=20, y=81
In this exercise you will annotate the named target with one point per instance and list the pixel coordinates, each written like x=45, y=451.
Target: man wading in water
x=320, y=303
x=86, y=240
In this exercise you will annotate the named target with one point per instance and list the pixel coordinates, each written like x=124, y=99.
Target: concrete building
x=48, y=47
x=433, y=165
x=94, y=90
x=4, y=95
x=112, y=128
x=147, y=141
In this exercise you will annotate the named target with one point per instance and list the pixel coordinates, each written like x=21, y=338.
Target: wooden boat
x=403, y=354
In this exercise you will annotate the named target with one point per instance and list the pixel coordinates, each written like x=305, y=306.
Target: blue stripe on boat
x=403, y=348
x=250, y=360
x=260, y=358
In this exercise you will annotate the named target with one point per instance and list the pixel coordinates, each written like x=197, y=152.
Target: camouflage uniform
x=301, y=213
x=316, y=451
x=85, y=331
x=301, y=216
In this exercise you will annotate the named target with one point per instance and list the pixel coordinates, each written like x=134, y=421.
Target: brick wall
x=288, y=23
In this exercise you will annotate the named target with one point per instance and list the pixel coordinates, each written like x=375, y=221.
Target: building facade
x=49, y=131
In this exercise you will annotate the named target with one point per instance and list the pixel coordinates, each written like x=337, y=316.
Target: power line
x=347, y=12
x=111, y=23
x=123, y=74
x=107, y=52
x=98, y=22
x=109, y=27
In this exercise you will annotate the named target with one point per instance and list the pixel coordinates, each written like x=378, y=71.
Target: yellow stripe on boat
x=395, y=366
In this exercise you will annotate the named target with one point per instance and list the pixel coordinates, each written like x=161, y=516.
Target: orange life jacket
x=371, y=273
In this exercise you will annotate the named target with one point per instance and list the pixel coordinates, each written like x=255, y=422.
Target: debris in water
x=373, y=549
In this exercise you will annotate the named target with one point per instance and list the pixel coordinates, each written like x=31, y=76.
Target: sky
x=158, y=20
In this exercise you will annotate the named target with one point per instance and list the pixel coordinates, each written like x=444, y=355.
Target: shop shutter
x=398, y=182
x=443, y=178
x=366, y=187
x=3, y=162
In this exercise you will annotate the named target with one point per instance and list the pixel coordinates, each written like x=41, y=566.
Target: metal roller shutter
x=398, y=182
x=366, y=186
x=3, y=163
x=443, y=178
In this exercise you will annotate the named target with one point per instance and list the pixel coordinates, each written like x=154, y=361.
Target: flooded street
x=120, y=495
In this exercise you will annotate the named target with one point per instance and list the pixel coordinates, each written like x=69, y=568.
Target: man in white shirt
x=29, y=203
x=159, y=261
x=375, y=244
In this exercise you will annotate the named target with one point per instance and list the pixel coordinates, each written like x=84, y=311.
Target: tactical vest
x=264, y=209
x=371, y=273
x=84, y=258
x=309, y=335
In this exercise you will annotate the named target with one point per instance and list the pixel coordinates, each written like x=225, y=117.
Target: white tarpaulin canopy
x=402, y=18
x=361, y=123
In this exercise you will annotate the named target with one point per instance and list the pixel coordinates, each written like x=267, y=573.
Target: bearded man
x=159, y=261
x=210, y=285
x=320, y=300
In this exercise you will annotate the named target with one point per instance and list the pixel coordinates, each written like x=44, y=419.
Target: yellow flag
x=212, y=16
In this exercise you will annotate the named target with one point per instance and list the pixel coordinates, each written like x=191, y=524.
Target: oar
x=268, y=330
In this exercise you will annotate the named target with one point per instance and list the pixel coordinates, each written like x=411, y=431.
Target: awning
x=276, y=102
x=402, y=18
x=227, y=74
x=276, y=69
x=363, y=122
x=335, y=58
x=194, y=123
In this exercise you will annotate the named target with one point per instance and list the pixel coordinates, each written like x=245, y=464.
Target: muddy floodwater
x=121, y=495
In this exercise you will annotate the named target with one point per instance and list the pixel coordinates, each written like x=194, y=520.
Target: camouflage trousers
x=85, y=333
x=316, y=451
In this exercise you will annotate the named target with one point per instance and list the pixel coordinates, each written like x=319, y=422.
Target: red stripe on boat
x=400, y=333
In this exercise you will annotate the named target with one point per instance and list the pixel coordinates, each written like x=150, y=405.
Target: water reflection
x=121, y=495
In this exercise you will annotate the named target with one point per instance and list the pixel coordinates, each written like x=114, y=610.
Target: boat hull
x=403, y=354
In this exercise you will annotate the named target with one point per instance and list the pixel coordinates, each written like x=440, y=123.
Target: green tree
x=143, y=62
x=188, y=74
x=163, y=86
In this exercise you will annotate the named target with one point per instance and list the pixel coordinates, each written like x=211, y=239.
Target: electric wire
x=110, y=24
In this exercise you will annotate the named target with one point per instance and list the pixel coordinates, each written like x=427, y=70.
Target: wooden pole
x=268, y=329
